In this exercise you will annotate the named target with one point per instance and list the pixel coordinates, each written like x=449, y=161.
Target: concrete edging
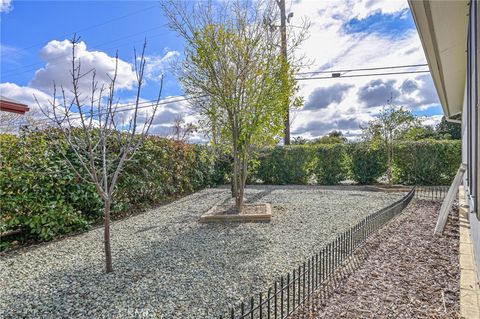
x=469, y=283
x=212, y=217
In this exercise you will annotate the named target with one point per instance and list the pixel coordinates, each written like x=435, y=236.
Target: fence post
x=275, y=300
x=281, y=297
x=269, y=295
x=260, y=305
x=251, y=307
x=288, y=294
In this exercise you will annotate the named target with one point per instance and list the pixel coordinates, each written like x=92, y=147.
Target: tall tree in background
x=234, y=69
x=391, y=125
x=100, y=139
x=449, y=130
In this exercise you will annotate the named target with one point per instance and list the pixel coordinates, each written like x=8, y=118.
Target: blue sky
x=344, y=34
x=107, y=26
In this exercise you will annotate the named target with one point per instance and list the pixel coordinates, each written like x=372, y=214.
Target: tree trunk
x=233, y=187
x=106, y=237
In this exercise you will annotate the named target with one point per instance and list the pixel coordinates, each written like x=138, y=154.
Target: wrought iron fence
x=431, y=192
x=290, y=292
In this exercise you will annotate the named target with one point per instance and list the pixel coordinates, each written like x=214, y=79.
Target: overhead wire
x=360, y=75
x=14, y=73
x=365, y=69
x=95, y=25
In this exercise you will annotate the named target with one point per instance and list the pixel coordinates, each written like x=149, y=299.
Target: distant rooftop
x=12, y=106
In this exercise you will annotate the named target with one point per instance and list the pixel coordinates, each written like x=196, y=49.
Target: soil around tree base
x=258, y=212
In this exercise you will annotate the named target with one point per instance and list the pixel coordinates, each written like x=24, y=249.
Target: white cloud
x=156, y=66
x=58, y=58
x=331, y=47
x=433, y=120
x=6, y=6
x=361, y=9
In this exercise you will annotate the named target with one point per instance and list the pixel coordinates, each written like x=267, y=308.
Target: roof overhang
x=443, y=30
x=13, y=107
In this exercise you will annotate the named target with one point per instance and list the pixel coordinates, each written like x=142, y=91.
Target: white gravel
x=167, y=265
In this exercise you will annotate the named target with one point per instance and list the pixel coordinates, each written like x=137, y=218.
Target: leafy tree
x=449, y=130
x=299, y=140
x=235, y=73
x=392, y=124
x=334, y=137
x=420, y=132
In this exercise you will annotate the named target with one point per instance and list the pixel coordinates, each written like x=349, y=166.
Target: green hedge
x=286, y=165
x=367, y=163
x=41, y=194
x=426, y=162
x=303, y=164
x=330, y=163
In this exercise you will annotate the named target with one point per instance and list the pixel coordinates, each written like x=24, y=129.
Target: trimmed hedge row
x=323, y=164
x=41, y=194
x=426, y=162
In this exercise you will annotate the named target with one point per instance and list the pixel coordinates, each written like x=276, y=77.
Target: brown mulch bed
x=402, y=272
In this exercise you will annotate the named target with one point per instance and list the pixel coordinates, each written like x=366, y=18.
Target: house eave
x=443, y=30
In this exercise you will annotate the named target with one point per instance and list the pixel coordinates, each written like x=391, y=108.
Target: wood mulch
x=402, y=272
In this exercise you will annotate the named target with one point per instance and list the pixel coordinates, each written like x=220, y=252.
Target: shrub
x=426, y=162
x=367, y=162
x=330, y=164
x=163, y=169
x=286, y=165
x=39, y=192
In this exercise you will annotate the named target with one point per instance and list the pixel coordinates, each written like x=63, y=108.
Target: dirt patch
x=228, y=213
x=402, y=272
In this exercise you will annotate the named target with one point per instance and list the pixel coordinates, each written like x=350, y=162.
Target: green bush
x=42, y=195
x=330, y=163
x=39, y=192
x=163, y=169
x=426, y=162
x=367, y=163
x=286, y=165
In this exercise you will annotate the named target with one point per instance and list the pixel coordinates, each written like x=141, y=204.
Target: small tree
x=97, y=136
x=234, y=70
x=334, y=137
x=182, y=131
x=391, y=125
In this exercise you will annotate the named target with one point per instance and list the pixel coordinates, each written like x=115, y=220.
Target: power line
x=123, y=109
x=185, y=98
x=95, y=25
x=38, y=64
x=366, y=69
x=361, y=75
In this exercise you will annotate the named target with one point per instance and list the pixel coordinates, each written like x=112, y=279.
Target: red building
x=9, y=105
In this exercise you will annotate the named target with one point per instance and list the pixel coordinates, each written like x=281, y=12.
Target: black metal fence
x=296, y=288
x=431, y=192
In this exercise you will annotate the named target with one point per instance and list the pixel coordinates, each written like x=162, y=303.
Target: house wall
x=471, y=129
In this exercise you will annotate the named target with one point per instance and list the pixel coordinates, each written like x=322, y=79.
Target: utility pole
x=283, y=33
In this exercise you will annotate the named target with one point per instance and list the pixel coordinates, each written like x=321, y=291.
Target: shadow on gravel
x=194, y=274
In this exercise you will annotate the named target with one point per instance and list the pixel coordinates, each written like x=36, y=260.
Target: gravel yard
x=167, y=265
x=402, y=272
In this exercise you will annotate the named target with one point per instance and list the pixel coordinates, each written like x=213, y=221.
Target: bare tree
x=101, y=141
x=182, y=131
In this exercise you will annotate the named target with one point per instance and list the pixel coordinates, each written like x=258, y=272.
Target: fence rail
x=290, y=292
x=431, y=192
